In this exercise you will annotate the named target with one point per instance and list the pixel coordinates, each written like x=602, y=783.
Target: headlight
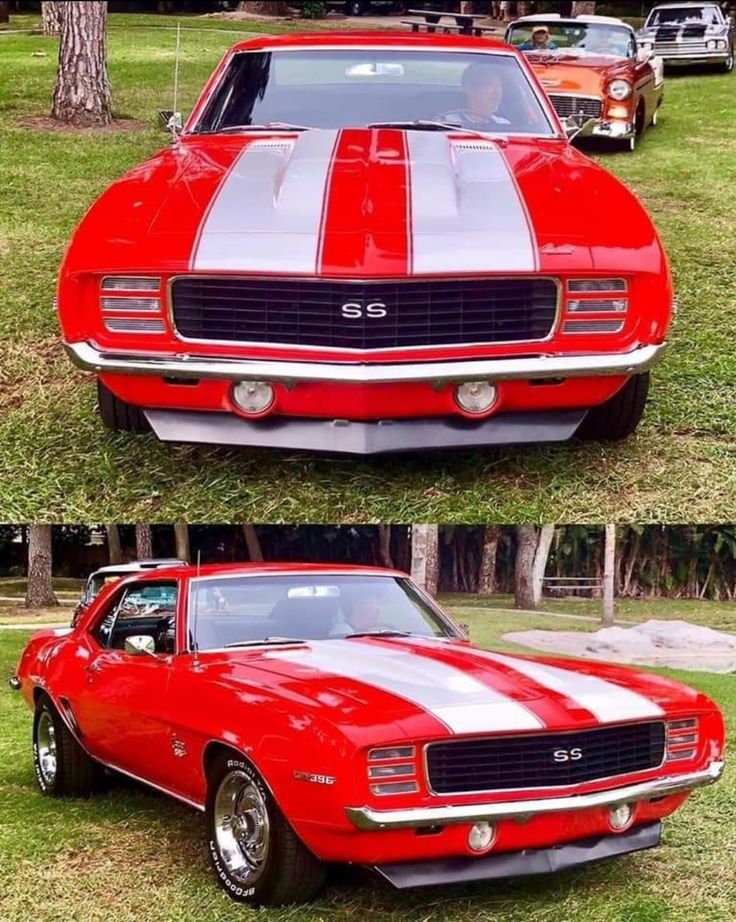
x=711, y=44
x=619, y=89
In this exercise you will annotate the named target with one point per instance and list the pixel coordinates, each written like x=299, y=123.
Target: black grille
x=529, y=761
x=419, y=313
x=573, y=105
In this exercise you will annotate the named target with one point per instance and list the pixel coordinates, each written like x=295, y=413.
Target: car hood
x=361, y=203
x=434, y=687
x=587, y=75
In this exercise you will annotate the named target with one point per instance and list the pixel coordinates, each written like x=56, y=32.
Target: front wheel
x=618, y=417
x=117, y=414
x=256, y=854
x=63, y=768
x=729, y=62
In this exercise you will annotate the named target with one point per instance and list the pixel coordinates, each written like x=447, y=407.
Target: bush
x=313, y=9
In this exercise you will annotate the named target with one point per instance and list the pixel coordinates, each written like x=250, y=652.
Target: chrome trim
x=535, y=733
x=157, y=787
x=420, y=817
x=357, y=353
x=131, y=278
x=15, y=683
x=89, y=358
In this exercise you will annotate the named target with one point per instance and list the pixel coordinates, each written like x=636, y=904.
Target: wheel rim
x=46, y=745
x=242, y=827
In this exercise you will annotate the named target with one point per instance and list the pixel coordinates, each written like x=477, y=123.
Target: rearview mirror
x=140, y=645
x=579, y=125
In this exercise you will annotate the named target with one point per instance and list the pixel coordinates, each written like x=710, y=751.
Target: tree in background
x=264, y=8
x=253, y=544
x=424, y=556
x=114, y=545
x=143, y=542
x=4, y=12
x=583, y=9
x=181, y=534
x=83, y=95
x=532, y=551
x=40, y=588
x=609, y=575
x=489, y=554
x=51, y=17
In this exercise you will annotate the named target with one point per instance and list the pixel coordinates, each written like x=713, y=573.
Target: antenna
x=175, y=126
x=195, y=644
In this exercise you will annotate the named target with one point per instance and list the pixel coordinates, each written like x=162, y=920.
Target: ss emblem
x=567, y=755
x=354, y=310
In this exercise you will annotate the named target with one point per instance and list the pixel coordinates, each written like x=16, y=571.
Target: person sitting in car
x=483, y=90
x=539, y=41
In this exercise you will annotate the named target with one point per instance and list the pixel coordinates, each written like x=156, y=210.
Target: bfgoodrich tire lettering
x=618, y=417
x=275, y=867
x=63, y=768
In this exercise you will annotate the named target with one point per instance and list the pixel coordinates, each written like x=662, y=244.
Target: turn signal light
x=397, y=777
x=131, y=283
x=254, y=398
x=682, y=739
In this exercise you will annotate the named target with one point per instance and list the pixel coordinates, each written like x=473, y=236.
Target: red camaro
x=325, y=714
x=364, y=243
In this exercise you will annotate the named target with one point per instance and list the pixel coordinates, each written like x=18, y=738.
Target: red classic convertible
x=364, y=243
x=335, y=714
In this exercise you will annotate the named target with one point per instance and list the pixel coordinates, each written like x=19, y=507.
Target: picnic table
x=570, y=585
x=434, y=20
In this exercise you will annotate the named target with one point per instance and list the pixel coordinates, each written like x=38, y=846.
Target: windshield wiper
x=383, y=633
x=419, y=124
x=263, y=641
x=268, y=126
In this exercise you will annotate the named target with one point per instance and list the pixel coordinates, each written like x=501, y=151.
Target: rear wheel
x=63, y=768
x=618, y=417
x=256, y=854
x=117, y=414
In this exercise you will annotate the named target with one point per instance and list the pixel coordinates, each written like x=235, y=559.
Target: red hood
x=433, y=688
x=366, y=202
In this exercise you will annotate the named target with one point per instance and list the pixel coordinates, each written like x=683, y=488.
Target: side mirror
x=578, y=126
x=140, y=645
x=643, y=55
x=172, y=121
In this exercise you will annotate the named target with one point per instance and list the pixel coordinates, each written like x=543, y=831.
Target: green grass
x=57, y=462
x=132, y=855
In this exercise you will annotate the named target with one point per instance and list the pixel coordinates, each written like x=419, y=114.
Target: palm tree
x=40, y=588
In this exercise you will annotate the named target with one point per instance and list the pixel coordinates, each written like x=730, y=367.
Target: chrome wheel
x=242, y=827
x=46, y=747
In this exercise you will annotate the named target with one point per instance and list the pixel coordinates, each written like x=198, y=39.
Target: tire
x=618, y=417
x=281, y=869
x=118, y=415
x=727, y=66
x=63, y=768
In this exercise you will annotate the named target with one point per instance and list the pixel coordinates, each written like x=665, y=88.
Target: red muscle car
x=594, y=66
x=324, y=714
x=364, y=243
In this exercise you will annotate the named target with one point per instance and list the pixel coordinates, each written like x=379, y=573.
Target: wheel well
x=38, y=693
x=213, y=749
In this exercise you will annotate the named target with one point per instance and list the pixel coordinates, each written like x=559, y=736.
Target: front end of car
x=686, y=44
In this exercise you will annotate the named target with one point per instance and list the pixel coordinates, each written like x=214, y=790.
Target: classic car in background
x=105, y=576
x=368, y=242
x=592, y=65
x=323, y=714
x=690, y=33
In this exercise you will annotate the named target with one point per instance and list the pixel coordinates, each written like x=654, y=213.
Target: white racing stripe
x=462, y=703
x=467, y=213
x=609, y=702
x=267, y=214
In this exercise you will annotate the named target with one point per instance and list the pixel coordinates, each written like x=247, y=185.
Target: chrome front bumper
x=419, y=817
x=695, y=57
x=88, y=357
x=614, y=131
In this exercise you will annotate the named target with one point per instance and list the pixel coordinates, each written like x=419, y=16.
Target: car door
x=122, y=705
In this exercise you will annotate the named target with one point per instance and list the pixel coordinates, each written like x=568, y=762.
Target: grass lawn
x=58, y=463
x=130, y=854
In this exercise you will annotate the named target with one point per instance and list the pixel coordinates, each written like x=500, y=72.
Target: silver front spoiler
x=88, y=357
x=416, y=818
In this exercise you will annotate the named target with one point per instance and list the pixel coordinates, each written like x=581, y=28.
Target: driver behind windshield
x=483, y=90
x=539, y=41
x=362, y=613
x=603, y=41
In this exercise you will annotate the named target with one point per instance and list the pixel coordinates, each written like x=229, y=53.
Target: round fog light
x=481, y=836
x=620, y=816
x=254, y=397
x=476, y=397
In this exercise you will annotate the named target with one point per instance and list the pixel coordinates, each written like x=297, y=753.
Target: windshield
x=353, y=87
x=700, y=15
x=580, y=38
x=225, y=611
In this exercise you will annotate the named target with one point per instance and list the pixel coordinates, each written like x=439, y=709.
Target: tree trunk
x=487, y=577
x=40, y=588
x=384, y=546
x=4, y=12
x=143, y=542
x=82, y=95
x=51, y=17
x=424, y=556
x=258, y=8
x=540, y=562
x=583, y=9
x=255, y=553
x=181, y=533
x=114, y=547
x=609, y=569
x=526, y=547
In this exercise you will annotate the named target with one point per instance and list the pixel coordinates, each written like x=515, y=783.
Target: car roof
x=674, y=6
x=137, y=566
x=556, y=17
x=367, y=37
x=268, y=569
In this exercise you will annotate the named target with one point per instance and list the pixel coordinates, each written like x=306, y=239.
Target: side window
x=143, y=609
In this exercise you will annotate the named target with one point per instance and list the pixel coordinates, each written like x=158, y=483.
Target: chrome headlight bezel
x=620, y=89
